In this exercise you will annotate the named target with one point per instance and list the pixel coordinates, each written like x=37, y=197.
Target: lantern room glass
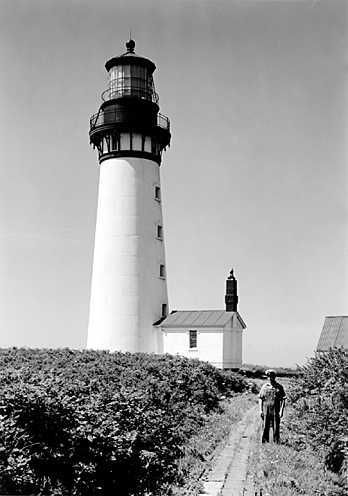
x=131, y=80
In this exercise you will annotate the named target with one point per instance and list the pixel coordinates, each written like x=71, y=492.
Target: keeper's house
x=215, y=336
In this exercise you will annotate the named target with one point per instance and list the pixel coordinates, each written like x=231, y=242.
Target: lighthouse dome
x=130, y=75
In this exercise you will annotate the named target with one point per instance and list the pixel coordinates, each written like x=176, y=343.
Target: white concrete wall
x=127, y=292
x=221, y=347
x=209, y=344
x=232, y=356
x=233, y=342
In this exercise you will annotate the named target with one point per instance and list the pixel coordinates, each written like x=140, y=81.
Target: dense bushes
x=100, y=423
x=312, y=434
x=320, y=401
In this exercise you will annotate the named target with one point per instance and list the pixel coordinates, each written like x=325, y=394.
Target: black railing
x=163, y=121
x=110, y=116
x=130, y=86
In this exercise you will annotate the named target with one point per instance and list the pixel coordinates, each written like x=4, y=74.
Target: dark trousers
x=271, y=421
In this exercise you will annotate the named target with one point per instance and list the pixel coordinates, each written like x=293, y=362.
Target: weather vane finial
x=231, y=276
x=130, y=45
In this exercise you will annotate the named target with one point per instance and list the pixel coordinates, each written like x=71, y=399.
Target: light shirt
x=272, y=396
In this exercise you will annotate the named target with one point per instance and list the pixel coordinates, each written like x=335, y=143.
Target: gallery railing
x=110, y=116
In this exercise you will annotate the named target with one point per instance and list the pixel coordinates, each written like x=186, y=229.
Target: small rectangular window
x=137, y=142
x=159, y=231
x=164, y=310
x=157, y=193
x=114, y=142
x=147, y=144
x=125, y=141
x=162, y=271
x=105, y=146
x=193, y=339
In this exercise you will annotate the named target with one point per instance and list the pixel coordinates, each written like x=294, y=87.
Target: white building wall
x=232, y=348
x=233, y=343
x=221, y=347
x=127, y=291
x=209, y=344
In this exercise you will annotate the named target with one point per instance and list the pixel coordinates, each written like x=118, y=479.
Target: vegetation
x=284, y=471
x=101, y=423
x=311, y=459
x=320, y=407
x=258, y=371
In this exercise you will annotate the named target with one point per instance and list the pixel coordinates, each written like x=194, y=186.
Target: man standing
x=271, y=402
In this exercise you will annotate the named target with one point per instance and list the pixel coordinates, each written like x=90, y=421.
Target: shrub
x=320, y=401
x=258, y=371
x=100, y=423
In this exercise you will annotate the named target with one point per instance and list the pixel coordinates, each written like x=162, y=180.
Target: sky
x=255, y=178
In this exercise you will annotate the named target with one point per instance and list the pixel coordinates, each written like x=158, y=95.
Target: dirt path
x=228, y=476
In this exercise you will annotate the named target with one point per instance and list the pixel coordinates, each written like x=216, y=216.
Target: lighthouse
x=129, y=287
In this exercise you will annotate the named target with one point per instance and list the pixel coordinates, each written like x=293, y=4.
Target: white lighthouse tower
x=129, y=289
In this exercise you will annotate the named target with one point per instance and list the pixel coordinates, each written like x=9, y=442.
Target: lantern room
x=130, y=75
x=128, y=121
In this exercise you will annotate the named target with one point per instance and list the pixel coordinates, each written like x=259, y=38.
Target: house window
x=159, y=231
x=162, y=270
x=193, y=339
x=164, y=310
x=157, y=193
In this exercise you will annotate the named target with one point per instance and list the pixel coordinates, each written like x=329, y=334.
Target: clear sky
x=255, y=177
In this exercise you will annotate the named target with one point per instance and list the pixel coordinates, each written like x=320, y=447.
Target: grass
x=209, y=441
x=281, y=470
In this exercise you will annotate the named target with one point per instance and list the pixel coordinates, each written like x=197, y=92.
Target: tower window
x=159, y=231
x=192, y=339
x=147, y=144
x=162, y=270
x=157, y=193
x=125, y=141
x=136, y=141
x=164, y=310
x=114, y=142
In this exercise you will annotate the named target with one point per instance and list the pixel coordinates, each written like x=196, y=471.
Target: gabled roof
x=334, y=333
x=200, y=318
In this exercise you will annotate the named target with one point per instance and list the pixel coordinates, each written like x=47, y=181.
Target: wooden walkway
x=228, y=476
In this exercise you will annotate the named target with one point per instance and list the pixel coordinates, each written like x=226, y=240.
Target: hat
x=270, y=372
